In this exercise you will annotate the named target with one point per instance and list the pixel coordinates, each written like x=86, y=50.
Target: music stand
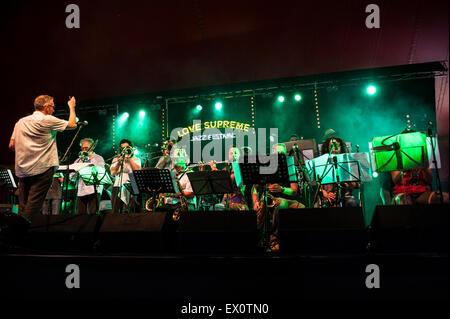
x=96, y=176
x=253, y=171
x=339, y=168
x=153, y=181
x=307, y=148
x=6, y=178
x=211, y=182
x=400, y=152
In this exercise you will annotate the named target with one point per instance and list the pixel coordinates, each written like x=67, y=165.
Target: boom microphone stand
x=430, y=135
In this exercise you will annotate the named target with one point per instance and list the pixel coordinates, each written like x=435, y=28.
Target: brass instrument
x=159, y=202
x=184, y=207
x=85, y=155
x=127, y=151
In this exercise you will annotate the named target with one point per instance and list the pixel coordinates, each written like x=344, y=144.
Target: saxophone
x=183, y=207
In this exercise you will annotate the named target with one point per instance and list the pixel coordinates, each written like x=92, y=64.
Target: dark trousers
x=118, y=205
x=32, y=193
x=87, y=204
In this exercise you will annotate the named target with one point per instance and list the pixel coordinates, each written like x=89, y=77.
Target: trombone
x=85, y=155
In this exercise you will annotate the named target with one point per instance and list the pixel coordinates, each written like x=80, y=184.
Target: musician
x=87, y=201
x=414, y=187
x=36, y=156
x=121, y=165
x=54, y=195
x=165, y=161
x=282, y=196
x=235, y=200
x=336, y=145
x=180, y=160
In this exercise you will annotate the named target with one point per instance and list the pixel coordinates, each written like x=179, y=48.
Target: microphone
x=83, y=123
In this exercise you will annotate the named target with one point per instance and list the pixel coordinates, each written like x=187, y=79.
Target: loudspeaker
x=136, y=232
x=63, y=233
x=322, y=230
x=217, y=232
x=405, y=228
x=12, y=230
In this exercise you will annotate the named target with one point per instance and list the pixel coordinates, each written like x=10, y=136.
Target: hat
x=329, y=133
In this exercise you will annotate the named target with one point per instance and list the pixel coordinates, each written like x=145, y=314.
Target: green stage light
x=281, y=98
x=218, y=106
x=141, y=114
x=122, y=119
x=199, y=107
x=371, y=90
x=136, y=151
x=374, y=174
x=297, y=97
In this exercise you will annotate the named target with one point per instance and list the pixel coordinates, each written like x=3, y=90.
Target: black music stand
x=153, y=181
x=253, y=171
x=7, y=180
x=211, y=182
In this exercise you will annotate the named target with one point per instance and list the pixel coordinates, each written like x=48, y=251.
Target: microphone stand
x=66, y=173
x=301, y=165
x=320, y=178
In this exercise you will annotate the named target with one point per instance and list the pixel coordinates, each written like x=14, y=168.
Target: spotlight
x=374, y=174
x=199, y=107
x=141, y=114
x=280, y=98
x=371, y=89
x=218, y=106
x=297, y=97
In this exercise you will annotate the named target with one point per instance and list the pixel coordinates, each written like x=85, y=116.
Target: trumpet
x=127, y=151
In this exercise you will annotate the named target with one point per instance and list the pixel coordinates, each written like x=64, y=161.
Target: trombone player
x=121, y=165
x=86, y=199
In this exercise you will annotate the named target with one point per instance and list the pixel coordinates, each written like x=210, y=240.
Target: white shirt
x=35, y=143
x=84, y=189
x=126, y=169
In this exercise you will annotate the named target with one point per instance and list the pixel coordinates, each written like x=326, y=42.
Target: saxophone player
x=281, y=197
x=121, y=165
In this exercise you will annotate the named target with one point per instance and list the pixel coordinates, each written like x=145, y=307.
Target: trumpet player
x=86, y=198
x=121, y=165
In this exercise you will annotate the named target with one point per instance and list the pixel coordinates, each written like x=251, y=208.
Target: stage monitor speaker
x=63, y=233
x=12, y=230
x=217, y=232
x=136, y=232
x=408, y=229
x=322, y=230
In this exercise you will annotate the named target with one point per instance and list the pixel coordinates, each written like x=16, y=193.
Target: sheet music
x=74, y=167
x=351, y=167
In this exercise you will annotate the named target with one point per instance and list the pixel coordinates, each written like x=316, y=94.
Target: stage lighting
x=374, y=174
x=218, y=106
x=136, y=151
x=297, y=97
x=121, y=120
x=280, y=98
x=371, y=89
x=199, y=107
x=141, y=114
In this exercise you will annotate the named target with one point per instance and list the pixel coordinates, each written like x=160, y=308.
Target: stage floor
x=226, y=278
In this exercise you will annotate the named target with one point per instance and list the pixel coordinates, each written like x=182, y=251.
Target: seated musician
x=235, y=200
x=414, y=188
x=87, y=202
x=186, y=194
x=126, y=162
x=279, y=197
x=330, y=191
